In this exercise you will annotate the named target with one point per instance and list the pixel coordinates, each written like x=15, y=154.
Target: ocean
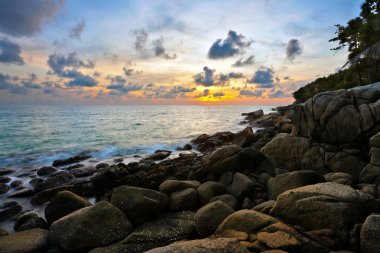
x=37, y=135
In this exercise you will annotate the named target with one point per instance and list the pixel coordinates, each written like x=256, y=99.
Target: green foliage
x=361, y=37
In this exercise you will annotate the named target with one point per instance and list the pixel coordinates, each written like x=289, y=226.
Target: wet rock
x=4, y=188
x=208, y=245
x=64, y=203
x=102, y=166
x=17, y=183
x=186, y=199
x=292, y=180
x=208, y=190
x=139, y=204
x=208, y=217
x=4, y=171
x=28, y=221
x=46, y=170
x=242, y=186
x=227, y=199
x=324, y=205
x=71, y=160
x=61, y=179
x=206, y=143
x=254, y=115
x=9, y=210
x=24, y=218
x=159, y=155
x=96, y=226
x=3, y=232
x=185, y=147
x=83, y=172
x=169, y=228
x=171, y=185
x=29, y=241
x=4, y=179
x=46, y=195
x=26, y=192
x=370, y=234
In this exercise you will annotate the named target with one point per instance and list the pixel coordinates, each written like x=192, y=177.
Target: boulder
x=29, y=220
x=292, y=180
x=169, y=228
x=324, y=205
x=70, y=160
x=5, y=171
x=186, y=199
x=341, y=116
x=89, y=227
x=139, y=204
x=203, y=246
x=4, y=188
x=242, y=186
x=64, y=203
x=159, y=155
x=208, y=217
x=61, y=179
x=227, y=199
x=4, y=179
x=370, y=175
x=46, y=170
x=233, y=158
x=370, y=234
x=83, y=172
x=346, y=161
x=340, y=178
x=172, y=185
x=29, y=241
x=264, y=207
x=278, y=240
x=208, y=190
x=9, y=209
x=294, y=153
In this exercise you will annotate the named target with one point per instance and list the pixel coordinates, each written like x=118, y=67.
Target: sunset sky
x=96, y=52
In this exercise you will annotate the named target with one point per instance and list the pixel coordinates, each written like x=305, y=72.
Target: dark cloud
x=278, y=94
x=288, y=78
x=160, y=51
x=180, y=89
x=263, y=78
x=82, y=81
x=97, y=74
x=247, y=62
x=77, y=30
x=5, y=81
x=119, y=87
x=26, y=17
x=226, y=77
x=228, y=47
x=249, y=93
x=60, y=63
x=141, y=39
x=206, y=78
x=128, y=71
x=10, y=52
x=218, y=94
x=30, y=83
x=19, y=90
x=206, y=92
x=293, y=49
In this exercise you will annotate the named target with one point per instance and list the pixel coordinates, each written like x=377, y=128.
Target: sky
x=96, y=52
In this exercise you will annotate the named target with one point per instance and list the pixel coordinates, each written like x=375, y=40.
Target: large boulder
x=90, y=227
x=172, y=185
x=208, y=217
x=370, y=234
x=61, y=179
x=139, y=204
x=325, y=205
x=64, y=203
x=341, y=116
x=203, y=246
x=233, y=158
x=186, y=199
x=29, y=241
x=169, y=228
x=210, y=189
x=294, y=153
x=292, y=180
x=242, y=186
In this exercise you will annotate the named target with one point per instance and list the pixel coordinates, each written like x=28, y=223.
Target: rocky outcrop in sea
x=306, y=181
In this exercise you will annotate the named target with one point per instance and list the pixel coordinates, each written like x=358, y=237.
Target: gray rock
x=29, y=241
x=242, y=186
x=370, y=234
x=61, y=179
x=4, y=188
x=9, y=209
x=46, y=170
x=228, y=199
x=83, y=172
x=172, y=185
x=208, y=217
x=90, y=227
x=208, y=190
x=370, y=175
x=324, y=205
x=139, y=204
x=186, y=199
x=264, y=207
x=28, y=221
x=340, y=178
x=292, y=180
x=208, y=245
x=64, y=203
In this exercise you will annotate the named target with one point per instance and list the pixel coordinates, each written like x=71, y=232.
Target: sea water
x=38, y=135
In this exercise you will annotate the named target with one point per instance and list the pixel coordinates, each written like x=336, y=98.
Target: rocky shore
x=306, y=181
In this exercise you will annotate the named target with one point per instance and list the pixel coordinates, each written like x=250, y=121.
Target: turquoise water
x=37, y=135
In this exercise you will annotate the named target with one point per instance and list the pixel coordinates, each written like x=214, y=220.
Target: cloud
x=5, y=81
x=263, y=78
x=206, y=78
x=249, y=93
x=141, y=39
x=30, y=82
x=247, y=62
x=206, y=92
x=159, y=50
x=10, y=52
x=119, y=87
x=278, y=94
x=228, y=47
x=77, y=30
x=27, y=17
x=128, y=72
x=60, y=63
x=218, y=94
x=293, y=49
x=180, y=89
x=82, y=81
